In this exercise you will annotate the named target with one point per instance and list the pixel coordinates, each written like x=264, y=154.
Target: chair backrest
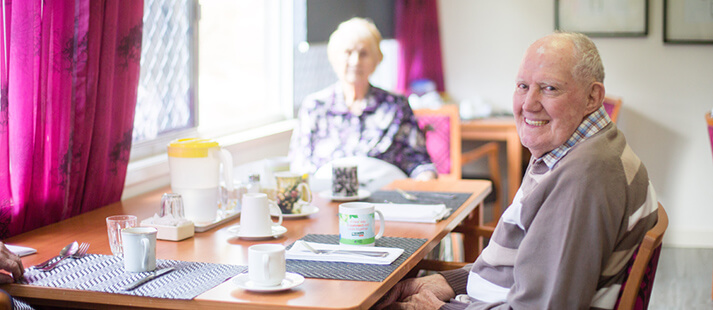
x=709, y=120
x=636, y=290
x=442, y=129
x=612, y=105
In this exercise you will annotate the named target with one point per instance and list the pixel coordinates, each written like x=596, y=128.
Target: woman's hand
x=428, y=292
x=11, y=263
x=426, y=175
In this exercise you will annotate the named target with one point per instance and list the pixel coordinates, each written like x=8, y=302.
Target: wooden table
x=499, y=129
x=219, y=246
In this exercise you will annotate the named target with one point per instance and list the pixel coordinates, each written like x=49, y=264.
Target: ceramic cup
x=357, y=223
x=292, y=192
x=139, y=248
x=114, y=225
x=255, y=215
x=345, y=182
x=266, y=264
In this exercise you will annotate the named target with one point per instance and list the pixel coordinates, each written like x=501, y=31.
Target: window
x=210, y=68
x=218, y=68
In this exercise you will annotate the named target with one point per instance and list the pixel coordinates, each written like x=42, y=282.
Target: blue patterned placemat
x=105, y=273
x=451, y=200
x=351, y=271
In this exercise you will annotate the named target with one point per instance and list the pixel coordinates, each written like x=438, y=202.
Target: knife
x=148, y=278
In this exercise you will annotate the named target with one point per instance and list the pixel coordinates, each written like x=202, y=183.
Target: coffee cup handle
x=145, y=253
x=306, y=189
x=382, y=224
x=266, y=265
x=274, y=206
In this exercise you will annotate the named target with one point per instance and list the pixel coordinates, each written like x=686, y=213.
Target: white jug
x=195, y=174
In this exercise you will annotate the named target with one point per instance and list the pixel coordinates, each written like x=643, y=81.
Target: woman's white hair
x=351, y=31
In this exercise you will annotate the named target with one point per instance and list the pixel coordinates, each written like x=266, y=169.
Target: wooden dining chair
x=612, y=105
x=448, y=157
x=635, y=293
x=443, y=141
x=5, y=301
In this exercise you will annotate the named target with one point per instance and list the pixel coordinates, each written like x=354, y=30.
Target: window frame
x=148, y=165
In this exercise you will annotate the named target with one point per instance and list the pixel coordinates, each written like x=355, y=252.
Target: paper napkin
x=20, y=250
x=418, y=213
x=299, y=252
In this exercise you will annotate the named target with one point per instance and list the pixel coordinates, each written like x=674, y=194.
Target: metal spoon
x=72, y=249
x=62, y=252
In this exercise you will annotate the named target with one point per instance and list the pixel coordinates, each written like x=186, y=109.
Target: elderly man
x=584, y=205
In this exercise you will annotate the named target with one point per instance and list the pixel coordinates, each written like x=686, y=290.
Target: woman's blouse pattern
x=386, y=130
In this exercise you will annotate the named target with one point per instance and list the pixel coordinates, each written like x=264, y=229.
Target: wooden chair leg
x=472, y=242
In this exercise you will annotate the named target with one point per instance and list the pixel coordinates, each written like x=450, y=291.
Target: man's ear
x=596, y=97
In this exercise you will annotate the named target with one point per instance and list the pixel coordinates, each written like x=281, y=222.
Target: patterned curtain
x=419, y=44
x=70, y=71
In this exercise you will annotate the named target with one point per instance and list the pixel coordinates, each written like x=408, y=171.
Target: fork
x=82, y=251
x=79, y=254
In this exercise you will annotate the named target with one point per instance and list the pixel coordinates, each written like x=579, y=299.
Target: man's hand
x=428, y=292
x=11, y=263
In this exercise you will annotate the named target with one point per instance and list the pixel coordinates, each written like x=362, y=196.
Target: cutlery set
x=349, y=252
x=72, y=250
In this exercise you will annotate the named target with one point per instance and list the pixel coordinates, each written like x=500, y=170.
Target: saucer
x=291, y=280
x=277, y=231
x=307, y=211
x=363, y=194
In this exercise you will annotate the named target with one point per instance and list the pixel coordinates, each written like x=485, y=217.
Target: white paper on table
x=20, y=250
x=299, y=252
x=417, y=213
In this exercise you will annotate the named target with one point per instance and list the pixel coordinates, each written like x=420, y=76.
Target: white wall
x=666, y=90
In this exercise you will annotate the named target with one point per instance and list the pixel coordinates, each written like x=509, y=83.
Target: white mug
x=356, y=224
x=139, y=248
x=266, y=264
x=255, y=215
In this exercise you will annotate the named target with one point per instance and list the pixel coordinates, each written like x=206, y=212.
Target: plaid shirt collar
x=591, y=124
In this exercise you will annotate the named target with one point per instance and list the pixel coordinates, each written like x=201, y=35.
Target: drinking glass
x=172, y=203
x=114, y=225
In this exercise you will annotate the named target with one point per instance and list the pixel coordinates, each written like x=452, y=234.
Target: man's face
x=356, y=62
x=548, y=102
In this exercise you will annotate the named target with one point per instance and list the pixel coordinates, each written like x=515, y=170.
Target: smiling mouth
x=535, y=123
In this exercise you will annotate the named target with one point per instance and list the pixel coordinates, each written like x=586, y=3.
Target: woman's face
x=355, y=62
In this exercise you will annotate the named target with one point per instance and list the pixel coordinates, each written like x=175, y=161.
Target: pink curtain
x=419, y=43
x=70, y=71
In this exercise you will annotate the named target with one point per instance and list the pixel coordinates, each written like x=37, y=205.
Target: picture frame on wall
x=688, y=21
x=603, y=18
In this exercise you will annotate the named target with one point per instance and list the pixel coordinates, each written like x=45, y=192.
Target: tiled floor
x=683, y=279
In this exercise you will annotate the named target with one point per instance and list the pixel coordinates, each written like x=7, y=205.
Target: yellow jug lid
x=190, y=147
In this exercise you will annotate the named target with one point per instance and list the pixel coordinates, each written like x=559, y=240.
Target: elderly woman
x=354, y=118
